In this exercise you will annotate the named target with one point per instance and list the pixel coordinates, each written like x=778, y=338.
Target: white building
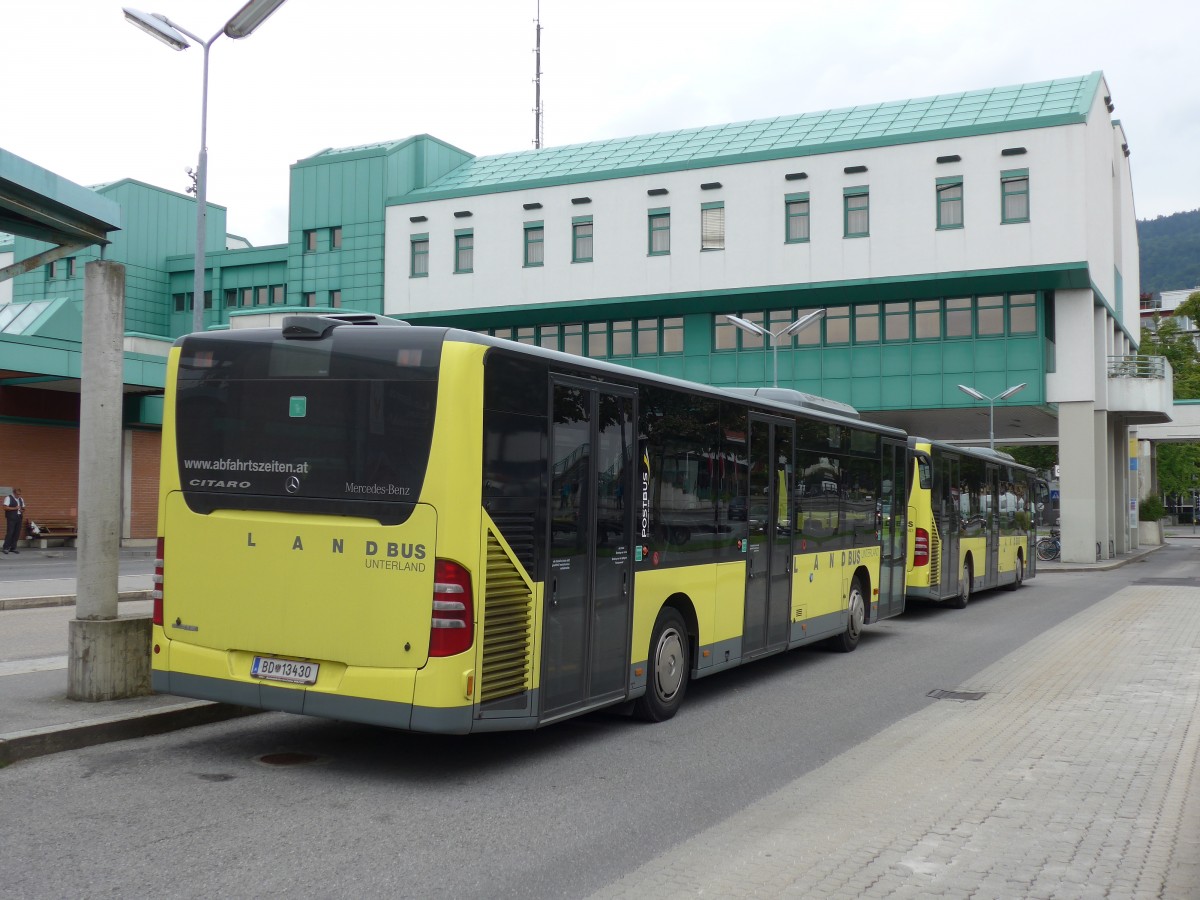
x=984, y=239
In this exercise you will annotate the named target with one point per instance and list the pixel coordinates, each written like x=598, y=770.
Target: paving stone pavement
x=1075, y=776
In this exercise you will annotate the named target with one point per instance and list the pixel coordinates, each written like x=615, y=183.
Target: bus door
x=769, y=562
x=586, y=619
x=993, y=526
x=948, y=510
x=893, y=529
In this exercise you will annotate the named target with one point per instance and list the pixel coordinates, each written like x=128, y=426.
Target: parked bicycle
x=1048, y=548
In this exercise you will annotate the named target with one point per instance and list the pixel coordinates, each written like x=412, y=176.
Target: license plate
x=289, y=670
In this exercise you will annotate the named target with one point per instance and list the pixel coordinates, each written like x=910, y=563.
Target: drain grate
x=939, y=694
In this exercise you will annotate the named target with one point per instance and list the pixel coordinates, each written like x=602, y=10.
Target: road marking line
x=25, y=666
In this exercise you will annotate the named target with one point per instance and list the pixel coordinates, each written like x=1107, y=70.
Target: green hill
x=1170, y=250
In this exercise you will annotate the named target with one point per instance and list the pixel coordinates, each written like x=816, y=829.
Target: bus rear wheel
x=856, y=614
x=964, y=587
x=670, y=667
x=1018, y=574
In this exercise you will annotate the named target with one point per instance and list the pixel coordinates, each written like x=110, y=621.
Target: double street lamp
x=175, y=36
x=794, y=328
x=991, y=402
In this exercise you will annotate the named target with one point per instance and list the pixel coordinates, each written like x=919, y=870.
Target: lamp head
x=1008, y=392
x=747, y=325
x=157, y=26
x=971, y=392
x=250, y=16
x=803, y=322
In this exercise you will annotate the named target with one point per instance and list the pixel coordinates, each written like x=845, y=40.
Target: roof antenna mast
x=537, y=81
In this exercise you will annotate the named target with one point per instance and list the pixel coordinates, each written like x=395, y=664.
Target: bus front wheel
x=669, y=668
x=856, y=613
x=964, y=587
x=1018, y=574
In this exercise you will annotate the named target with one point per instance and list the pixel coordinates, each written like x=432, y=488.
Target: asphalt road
x=277, y=804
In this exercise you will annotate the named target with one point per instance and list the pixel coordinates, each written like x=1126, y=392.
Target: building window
x=263, y=296
x=866, y=323
x=231, y=298
x=837, y=325
x=278, y=294
x=527, y=335
x=989, y=315
x=927, y=319
x=597, y=340
x=247, y=296
x=572, y=341
x=51, y=270
x=950, y=202
x=1022, y=314
x=647, y=337
x=464, y=251
x=622, y=338
x=857, y=205
x=724, y=334
x=660, y=231
x=796, y=218
x=581, y=239
x=549, y=337
x=712, y=226
x=958, y=317
x=418, y=265
x=70, y=267
x=1014, y=196
x=208, y=299
x=183, y=302
x=535, y=246
x=310, y=298
x=335, y=237
x=672, y=334
x=895, y=321
x=335, y=299
x=310, y=240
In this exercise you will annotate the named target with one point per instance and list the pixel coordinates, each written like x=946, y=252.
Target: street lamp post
x=991, y=402
x=175, y=36
x=795, y=327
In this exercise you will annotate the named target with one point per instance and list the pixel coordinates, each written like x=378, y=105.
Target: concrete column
x=108, y=657
x=1078, y=478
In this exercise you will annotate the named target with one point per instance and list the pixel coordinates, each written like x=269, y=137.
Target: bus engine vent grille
x=935, y=555
x=507, y=627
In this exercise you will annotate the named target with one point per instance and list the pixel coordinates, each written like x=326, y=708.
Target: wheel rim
x=965, y=588
x=1020, y=570
x=857, y=613
x=668, y=664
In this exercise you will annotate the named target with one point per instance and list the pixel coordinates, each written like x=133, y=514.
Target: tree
x=1043, y=457
x=1178, y=469
x=1167, y=339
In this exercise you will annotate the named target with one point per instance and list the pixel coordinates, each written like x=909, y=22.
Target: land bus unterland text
x=436, y=530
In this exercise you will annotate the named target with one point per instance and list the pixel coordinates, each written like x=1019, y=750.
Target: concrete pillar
x=108, y=658
x=1079, y=479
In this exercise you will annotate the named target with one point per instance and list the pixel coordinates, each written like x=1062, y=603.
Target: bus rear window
x=345, y=418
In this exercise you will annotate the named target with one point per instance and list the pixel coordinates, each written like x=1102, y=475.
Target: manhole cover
x=939, y=694
x=289, y=758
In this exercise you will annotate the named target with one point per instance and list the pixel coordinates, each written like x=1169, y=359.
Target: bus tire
x=964, y=587
x=669, y=668
x=1018, y=574
x=856, y=613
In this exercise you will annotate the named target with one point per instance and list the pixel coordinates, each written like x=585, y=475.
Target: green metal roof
x=1014, y=108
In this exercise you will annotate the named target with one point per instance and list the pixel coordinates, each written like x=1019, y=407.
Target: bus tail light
x=157, y=594
x=452, y=627
x=921, y=548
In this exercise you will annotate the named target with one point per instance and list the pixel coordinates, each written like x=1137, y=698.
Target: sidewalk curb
x=35, y=742
x=64, y=600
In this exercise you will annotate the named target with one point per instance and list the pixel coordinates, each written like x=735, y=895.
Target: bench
x=54, y=533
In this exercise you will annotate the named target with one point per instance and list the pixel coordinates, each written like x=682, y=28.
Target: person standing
x=14, y=513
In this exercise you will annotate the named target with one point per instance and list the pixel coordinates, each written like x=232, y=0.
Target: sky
x=91, y=98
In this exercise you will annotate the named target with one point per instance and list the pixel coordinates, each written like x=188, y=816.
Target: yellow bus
x=436, y=530
x=972, y=518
